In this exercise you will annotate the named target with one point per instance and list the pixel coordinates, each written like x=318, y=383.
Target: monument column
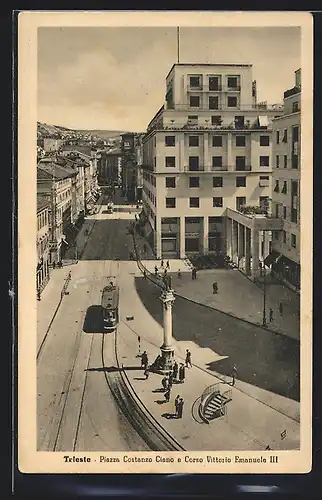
x=167, y=351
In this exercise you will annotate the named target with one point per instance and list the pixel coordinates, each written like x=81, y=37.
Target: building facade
x=57, y=184
x=43, y=236
x=128, y=165
x=207, y=150
x=286, y=186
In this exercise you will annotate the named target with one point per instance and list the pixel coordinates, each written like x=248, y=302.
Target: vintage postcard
x=165, y=242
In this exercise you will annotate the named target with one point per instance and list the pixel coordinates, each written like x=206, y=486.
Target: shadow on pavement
x=106, y=369
x=264, y=359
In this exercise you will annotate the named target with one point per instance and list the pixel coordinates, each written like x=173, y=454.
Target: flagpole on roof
x=178, y=43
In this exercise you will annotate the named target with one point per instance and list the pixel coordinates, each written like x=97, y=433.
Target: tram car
x=110, y=305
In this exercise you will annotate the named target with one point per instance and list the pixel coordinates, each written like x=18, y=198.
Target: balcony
x=243, y=168
x=213, y=88
x=261, y=107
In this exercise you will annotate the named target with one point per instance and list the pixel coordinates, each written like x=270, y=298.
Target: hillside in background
x=104, y=134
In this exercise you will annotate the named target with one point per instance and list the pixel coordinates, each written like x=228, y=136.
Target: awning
x=263, y=121
x=271, y=258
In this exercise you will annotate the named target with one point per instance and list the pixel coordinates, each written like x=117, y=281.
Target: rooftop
x=43, y=201
x=225, y=65
x=51, y=170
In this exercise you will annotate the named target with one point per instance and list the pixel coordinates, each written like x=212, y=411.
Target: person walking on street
x=162, y=263
x=168, y=264
x=164, y=383
x=179, y=273
x=176, y=404
x=147, y=372
x=54, y=265
x=144, y=274
x=156, y=270
x=271, y=315
x=188, y=359
x=144, y=360
x=175, y=370
x=233, y=374
x=38, y=294
x=280, y=308
x=167, y=395
x=180, y=407
x=214, y=287
x=182, y=373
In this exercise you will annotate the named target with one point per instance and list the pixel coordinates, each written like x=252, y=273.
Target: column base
x=164, y=362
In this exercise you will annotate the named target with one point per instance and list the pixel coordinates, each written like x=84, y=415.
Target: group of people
x=280, y=310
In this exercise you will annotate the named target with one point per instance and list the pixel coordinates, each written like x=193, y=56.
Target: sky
x=114, y=78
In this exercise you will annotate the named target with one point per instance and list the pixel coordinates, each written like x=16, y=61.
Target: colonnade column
x=255, y=253
x=205, y=235
x=229, y=237
x=240, y=241
x=182, y=238
x=247, y=250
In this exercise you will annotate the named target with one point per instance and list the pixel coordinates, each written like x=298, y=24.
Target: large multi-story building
x=207, y=151
x=42, y=270
x=128, y=165
x=286, y=186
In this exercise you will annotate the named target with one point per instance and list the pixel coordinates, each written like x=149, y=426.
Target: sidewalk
x=50, y=298
x=248, y=425
x=240, y=297
x=255, y=418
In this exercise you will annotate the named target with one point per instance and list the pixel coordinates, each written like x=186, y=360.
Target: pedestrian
x=167, y=395
x=214, y=287
x=165, y=272
x=170, y=380
x=233, y=374
x=180, y=407
x=144, y=274
x=280, y=308
x=162, y=263
x=164, y=383
x=176, y=404
x=38, y=294
x=175, y=370
x=188, y=359
x=271, y=315
x=54, y=265
x=181, y=373
x=144, y=360
x=147, y=372
x=168, y=264
x=156, y=270
x=179, y=273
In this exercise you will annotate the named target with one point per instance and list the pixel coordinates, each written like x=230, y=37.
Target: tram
x=110, y=305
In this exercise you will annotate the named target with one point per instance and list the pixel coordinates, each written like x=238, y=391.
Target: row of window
x=217, y=140
x=284, y=190
x=150, y=178
x=217, y=161
x=42, y=219
x=286, y=213
x=194, y=182
x=217, y=202
x=283, y=137
x=42, y=246
x=294, y=160
x=150, y=195
x=284, y=237
x=213, y=102
x=214, y=82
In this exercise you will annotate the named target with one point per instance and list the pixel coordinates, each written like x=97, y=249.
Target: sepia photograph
x=165, y=242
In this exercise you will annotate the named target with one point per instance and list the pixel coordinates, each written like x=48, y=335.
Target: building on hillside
x=207, y=161
x=42, y=270
x=57, y=184
x=286, y=186
x=90, y=156
x=52, y=144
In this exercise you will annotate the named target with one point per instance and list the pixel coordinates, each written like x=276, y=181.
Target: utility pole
x=264, y=282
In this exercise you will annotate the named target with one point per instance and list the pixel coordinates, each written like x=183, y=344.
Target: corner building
x=208, y=149
x=286, y=186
